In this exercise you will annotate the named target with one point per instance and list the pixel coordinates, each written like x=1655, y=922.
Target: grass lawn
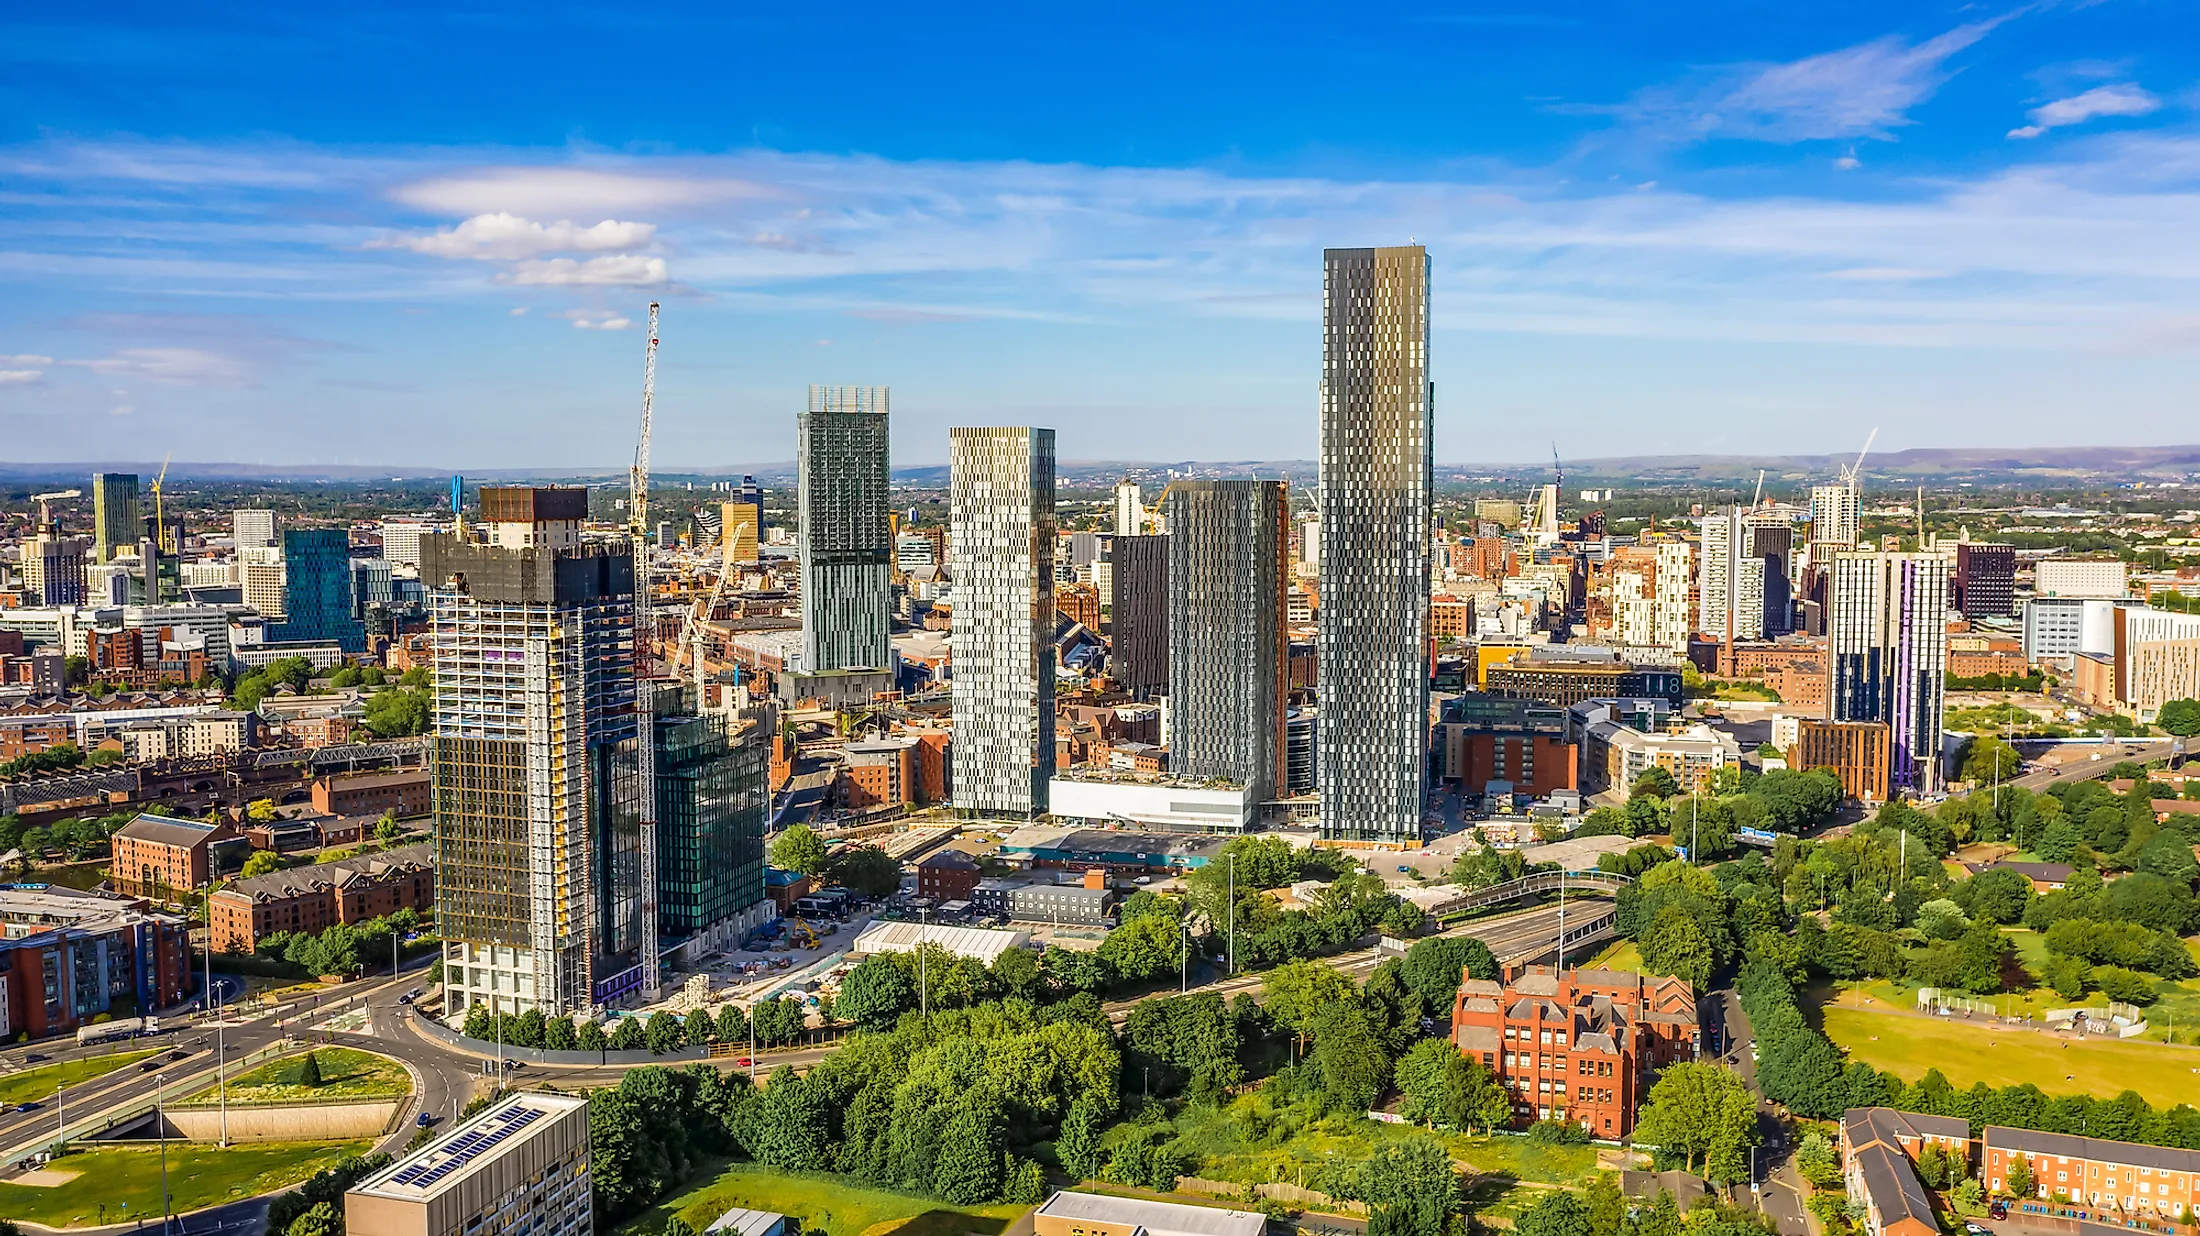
x=1968, y=1052
x=198, y=1175
x=1254, y=1141
x=839, y=1205
x=39, y=1084
x=345, y=1074
x=1618, y=955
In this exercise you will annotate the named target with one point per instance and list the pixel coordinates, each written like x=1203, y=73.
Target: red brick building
x=1579, y=1045
x=155, y=856
x=312, y=898
x=932, y=761
x=1857, y=752
x=947, y=875
x=325, y=731
x=69, y=956
x=880, y=773
x=405, y=791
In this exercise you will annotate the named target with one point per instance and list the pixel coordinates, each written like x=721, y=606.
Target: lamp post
x=160, y=1126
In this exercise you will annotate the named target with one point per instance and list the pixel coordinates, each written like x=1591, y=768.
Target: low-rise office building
x=155, y=856
x=1087, y=903
x=1152, y=800
x=1613, y=755
x=520, y=1167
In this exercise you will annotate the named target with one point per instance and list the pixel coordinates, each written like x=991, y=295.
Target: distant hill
x=1977, y=465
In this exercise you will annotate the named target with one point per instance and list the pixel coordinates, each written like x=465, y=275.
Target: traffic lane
x=124, y=1086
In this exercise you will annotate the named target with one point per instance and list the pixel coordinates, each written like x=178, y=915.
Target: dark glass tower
x=712, y=803
x=1229, y=557
x=847, y=536
x=317, y=589
x=1376, y=477
x=1140, y=630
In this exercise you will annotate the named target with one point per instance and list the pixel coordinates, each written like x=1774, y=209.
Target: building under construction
x=538, y=851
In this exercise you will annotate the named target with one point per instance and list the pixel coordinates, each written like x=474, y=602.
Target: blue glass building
x=317, y=593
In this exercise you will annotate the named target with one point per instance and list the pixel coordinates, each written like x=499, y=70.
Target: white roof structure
x=980, y=943
x=1154, y=1218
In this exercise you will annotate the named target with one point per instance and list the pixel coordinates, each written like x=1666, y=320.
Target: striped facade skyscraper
x=1887, y=631
x=1376, y=480
x=1001, y=553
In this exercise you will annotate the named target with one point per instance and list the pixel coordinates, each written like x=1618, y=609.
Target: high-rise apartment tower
x=1229, y=563
x=1000, y=501
x=1376, y=478
x=252, y=527
x=847, y=537
x=1139, y=566
x=116, y=523
x=537, y=833
x=1887, y=632
x=1833, y=515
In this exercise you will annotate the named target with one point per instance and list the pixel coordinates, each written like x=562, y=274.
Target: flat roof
x=468, y=1147
x=740, y=1222
x=981, y=943
x=1158, y=1218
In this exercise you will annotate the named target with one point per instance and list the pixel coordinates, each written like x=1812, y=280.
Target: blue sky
x=427, y=235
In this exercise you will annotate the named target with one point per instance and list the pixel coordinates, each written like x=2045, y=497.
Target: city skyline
x=1689, y=235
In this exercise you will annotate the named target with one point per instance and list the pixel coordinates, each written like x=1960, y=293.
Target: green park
x=116, y=1184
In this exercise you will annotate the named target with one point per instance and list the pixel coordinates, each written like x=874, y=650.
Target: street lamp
x=160, y=1126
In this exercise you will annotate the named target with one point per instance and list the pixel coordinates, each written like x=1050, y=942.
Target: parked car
x=1974, y=1229
x=1999, y=1210
x=34, y=1058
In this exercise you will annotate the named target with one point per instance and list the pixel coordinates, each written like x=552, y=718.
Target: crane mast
x=637, y=507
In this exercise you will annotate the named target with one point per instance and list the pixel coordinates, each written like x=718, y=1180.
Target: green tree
x=875, y=992
x=558, y=1035
x=627, y=1035
x=663, y=1033
x=733, y=1024
x=1654, y=782
x=2059, y=842
x=793, y=1122
x=260, y=810
x=799, y=849
x=1349, y=1055
x=321, y=1219
x=260, y=863
x=590, y=1037
x=1016, y=972
x=1296, y=992
x=866, y=869
x=1676, y=945
x=1555, y=1213
x=386, y=829
x=308, y=1073
x=399, y=713
x=1989, y=760
x=1078, y=1144
x=1701, y=1110
x=1439, y=1085
x=1407, y=1185
x=702, y=1028
x=2127, y=986
x=969, y=1168
x=2180, y=717
x=2017, y=1180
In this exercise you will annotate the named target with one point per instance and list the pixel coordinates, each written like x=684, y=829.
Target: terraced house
x=2132, y=1182
x=1577, y=1045
x=1879, y=1147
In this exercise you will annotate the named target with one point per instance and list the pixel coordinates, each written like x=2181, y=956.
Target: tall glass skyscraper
x=317, y=589
x=1887, y=632
x=1376, y=476
x=1229, y=559
x=847, y=535
x=116, y=523
x=537, y=795
x=712, y=803
x=1001, y=514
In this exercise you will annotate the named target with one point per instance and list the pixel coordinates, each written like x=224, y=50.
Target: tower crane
x=645, y=747
x=45, y=510
x=160, y=522
x=1852, y=475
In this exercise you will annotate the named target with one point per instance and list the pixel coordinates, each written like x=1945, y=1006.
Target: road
x=1780, y=1192
x=442, y=1078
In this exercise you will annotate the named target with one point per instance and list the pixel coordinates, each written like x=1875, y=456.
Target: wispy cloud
x=626, y=270
x=2122, y=99
x=1864, y=91
x=173, y=366
x=504, y=236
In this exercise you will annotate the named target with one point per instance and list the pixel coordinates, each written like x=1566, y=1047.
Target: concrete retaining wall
x=289, y=1122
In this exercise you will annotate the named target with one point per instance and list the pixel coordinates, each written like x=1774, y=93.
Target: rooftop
x=162, y=830
x=278, y=884
x=2098, y=1149
x=1156, y=1218
x=469, y=1146
x=979, y=943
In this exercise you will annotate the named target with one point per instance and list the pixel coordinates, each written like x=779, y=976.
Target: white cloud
x=503, y=237
x=625, y=270
x=596, y=319
x=570, y=190
x=175, y=366
x=1847, y=163
x=20, y=377
x=517, y=311
x=1861, y=91
x=2121, y=99
x=25, y=359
